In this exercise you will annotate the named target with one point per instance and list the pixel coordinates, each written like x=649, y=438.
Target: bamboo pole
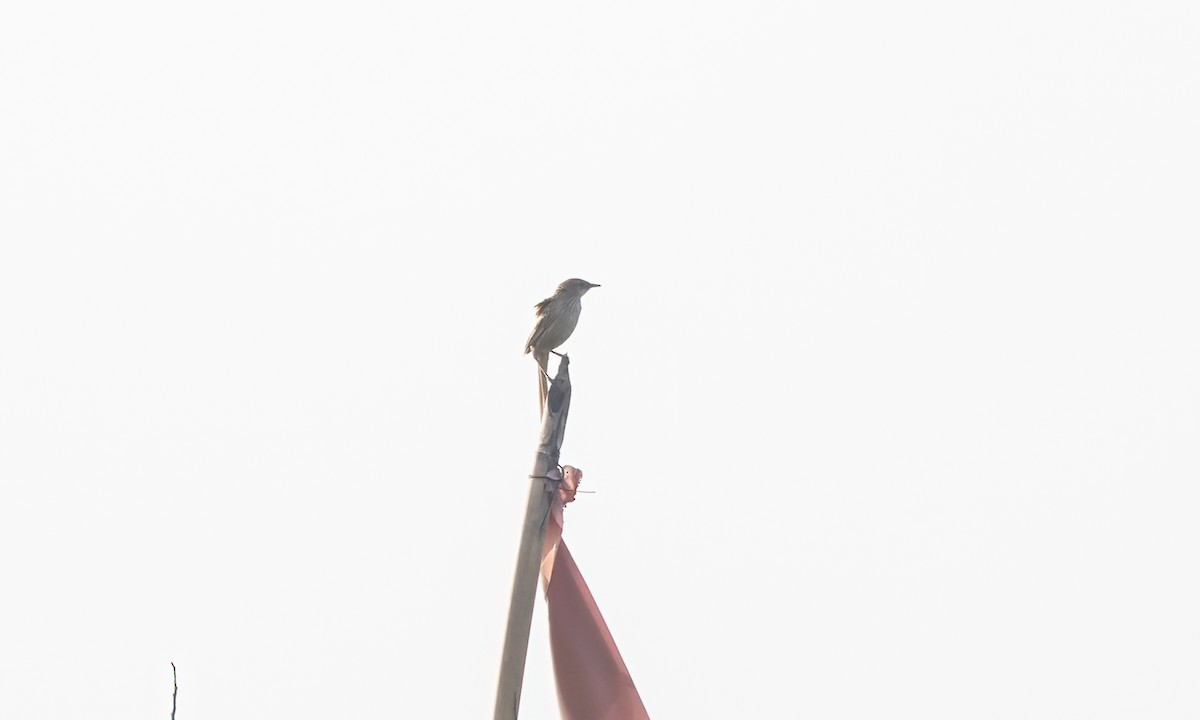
x=529, y=553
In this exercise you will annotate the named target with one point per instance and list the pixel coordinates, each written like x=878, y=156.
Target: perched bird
x=557, y=316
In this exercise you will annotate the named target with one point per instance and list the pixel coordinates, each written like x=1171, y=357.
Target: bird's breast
x=558, y=322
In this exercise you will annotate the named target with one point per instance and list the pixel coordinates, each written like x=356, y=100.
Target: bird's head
x=575, y=287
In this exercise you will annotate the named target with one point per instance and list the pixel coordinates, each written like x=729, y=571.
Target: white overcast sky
x=889, y=397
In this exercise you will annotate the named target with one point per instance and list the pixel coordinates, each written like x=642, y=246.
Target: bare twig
x=175, y=692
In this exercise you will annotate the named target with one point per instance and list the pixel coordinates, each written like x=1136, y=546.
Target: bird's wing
x=539, y=327
x=535, y=334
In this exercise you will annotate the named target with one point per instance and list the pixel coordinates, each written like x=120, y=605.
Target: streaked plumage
x=557, y=317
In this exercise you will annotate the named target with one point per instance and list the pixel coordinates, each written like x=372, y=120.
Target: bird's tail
x=543, y=358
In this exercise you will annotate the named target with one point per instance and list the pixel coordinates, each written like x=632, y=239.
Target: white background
x=889, y=397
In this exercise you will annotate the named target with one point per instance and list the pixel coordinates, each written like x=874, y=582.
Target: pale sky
x=888, y=398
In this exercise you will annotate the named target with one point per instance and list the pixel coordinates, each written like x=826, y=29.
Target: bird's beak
x=592, y=285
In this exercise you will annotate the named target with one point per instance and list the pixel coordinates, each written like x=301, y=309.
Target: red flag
x=593, y=682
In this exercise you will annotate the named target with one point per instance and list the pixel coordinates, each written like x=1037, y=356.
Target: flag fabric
x=593, y=682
